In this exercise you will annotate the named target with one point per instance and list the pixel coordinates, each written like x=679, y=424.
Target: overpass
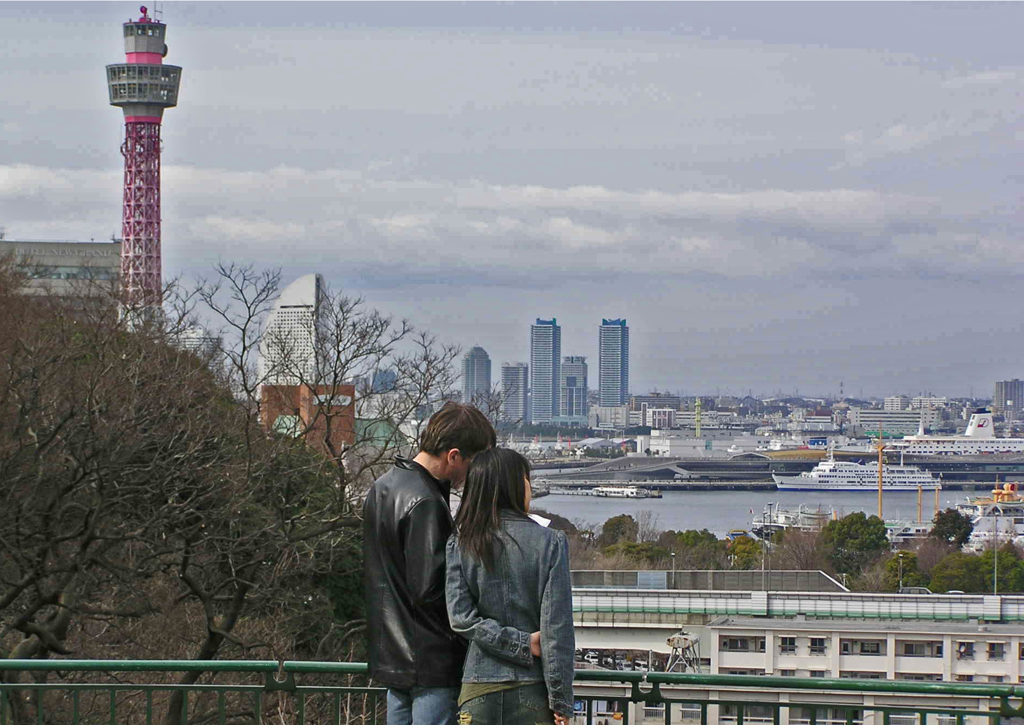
x=956, y=471
x=629, y=618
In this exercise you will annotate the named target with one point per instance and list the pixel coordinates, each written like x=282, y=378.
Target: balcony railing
x=94, y=692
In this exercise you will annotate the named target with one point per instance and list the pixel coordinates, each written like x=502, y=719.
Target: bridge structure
x=631, y=618
x=667, y=473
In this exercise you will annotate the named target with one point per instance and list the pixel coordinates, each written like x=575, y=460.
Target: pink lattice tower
x=143, y=87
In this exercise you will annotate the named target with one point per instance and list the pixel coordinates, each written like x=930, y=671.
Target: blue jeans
x=423, y=706
x=524, y=705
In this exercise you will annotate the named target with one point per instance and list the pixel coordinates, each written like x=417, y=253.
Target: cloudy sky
x=776, y=196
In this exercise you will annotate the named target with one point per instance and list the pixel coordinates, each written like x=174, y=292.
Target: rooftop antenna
x=158, y=11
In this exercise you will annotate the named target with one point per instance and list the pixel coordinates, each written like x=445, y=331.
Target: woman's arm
x=508, y=643
x=557, y=636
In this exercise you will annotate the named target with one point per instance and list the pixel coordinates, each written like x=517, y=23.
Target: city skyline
x=834, y=196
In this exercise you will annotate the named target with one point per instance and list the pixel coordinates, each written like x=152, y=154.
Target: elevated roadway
x=614, y=618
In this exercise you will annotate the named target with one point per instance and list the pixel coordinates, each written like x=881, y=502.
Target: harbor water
x=722, y=511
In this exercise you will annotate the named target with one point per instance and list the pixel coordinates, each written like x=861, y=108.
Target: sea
x=723, y=511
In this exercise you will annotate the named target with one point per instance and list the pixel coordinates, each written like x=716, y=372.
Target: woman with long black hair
x=509, y=594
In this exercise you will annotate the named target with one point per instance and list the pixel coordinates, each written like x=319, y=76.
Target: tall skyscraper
x=1008, y=399
x=289, y=346
x=545, y=369
x=515, y=385
x=573, y=390
x=476, y=376
x=613, y=363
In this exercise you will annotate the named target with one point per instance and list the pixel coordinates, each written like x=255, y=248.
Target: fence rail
x=173, y=692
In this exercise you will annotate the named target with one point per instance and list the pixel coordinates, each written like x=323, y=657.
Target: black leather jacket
x=406, y=523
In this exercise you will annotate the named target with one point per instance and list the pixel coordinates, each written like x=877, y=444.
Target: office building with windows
x=476, y=377
x=545, y=370
x=71, y=269
x=572, y=409
x=1008, y=399
x=613, y=363
x=288, y=350
x=868, y=650
x=515, y=388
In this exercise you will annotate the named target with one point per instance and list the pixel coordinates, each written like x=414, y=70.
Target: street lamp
x=900, y=557
x=673, y=570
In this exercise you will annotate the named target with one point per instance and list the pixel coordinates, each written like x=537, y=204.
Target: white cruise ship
x=979, y=438
x=833, y=475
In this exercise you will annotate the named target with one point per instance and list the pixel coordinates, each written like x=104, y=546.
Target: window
x=965, y=650
x=759, y=642
x=964, y=678
x=819, y=673
x=871, y=648
x=736, y=644
x=787, y=646
x=787, y=673
x=996, y=678
x=922, y=649
x=996, y=650
x=817, y=645
x=844, y=647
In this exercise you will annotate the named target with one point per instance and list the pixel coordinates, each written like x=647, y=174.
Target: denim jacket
x=528, y=591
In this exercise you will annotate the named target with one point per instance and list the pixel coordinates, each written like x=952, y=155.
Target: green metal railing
x=170, y=692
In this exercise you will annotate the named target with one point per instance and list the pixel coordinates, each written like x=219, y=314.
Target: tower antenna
x=142, y=87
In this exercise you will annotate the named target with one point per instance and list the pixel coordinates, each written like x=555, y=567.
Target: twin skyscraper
x=552, y=388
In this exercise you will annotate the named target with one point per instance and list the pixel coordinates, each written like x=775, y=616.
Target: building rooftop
x=866, y=625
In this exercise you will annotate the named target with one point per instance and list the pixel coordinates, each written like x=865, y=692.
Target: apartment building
x=866, y=649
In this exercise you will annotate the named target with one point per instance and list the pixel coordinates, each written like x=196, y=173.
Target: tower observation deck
x=142, y=87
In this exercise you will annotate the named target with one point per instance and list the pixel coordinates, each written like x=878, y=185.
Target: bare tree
x=151, y=512
x=647, y=527
x=799, y=549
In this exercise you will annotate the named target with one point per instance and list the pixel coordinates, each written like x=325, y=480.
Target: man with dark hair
x=406, y=523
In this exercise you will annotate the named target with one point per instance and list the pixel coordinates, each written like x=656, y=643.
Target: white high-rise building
x=515, y=386
x=613, y=363
x=476, y=377
x=545, y=369
x=896, y=403
x=197, y=340
x=289, y=346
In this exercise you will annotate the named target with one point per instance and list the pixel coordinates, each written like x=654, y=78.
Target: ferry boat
x=625, y=492
x=609, y=492
x=979, y=438
x=833, y=475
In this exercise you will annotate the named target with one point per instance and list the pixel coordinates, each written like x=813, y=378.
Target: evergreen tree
x=952, y=526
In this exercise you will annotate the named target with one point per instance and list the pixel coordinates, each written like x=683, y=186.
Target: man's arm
x=427, y=527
